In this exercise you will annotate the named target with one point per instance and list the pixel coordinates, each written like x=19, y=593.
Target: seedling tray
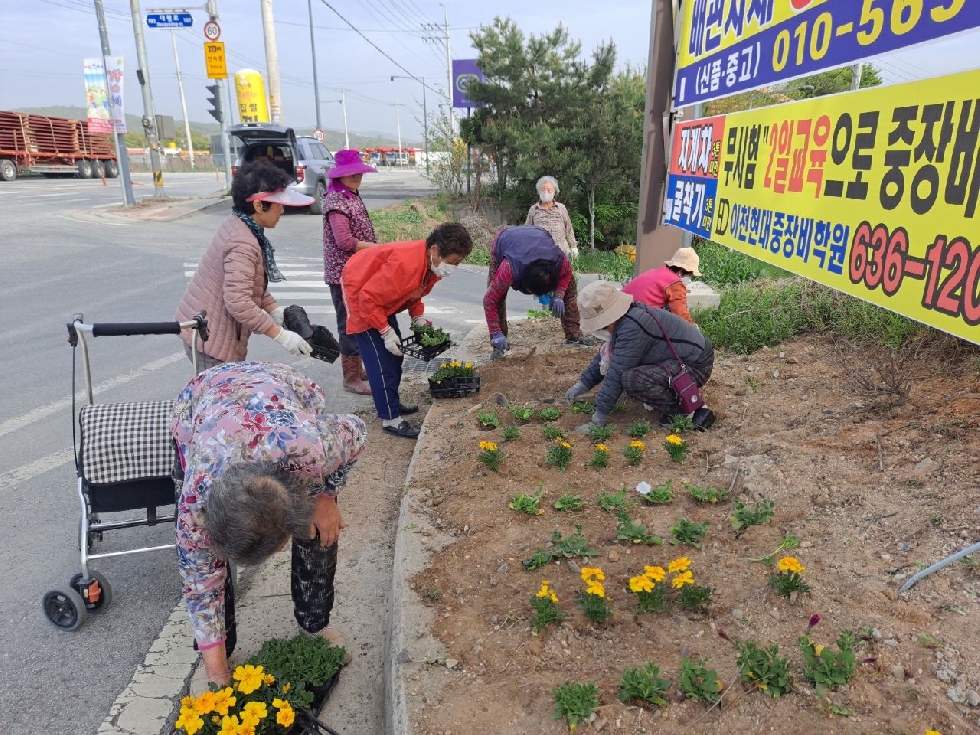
x=454, y=387
x=413, y=348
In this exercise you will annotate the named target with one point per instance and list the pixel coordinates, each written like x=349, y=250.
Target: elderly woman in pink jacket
x=232, y=281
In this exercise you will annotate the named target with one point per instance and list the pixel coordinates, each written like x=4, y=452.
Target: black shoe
x=583, y=340
x=403, y=429
x=406, y=409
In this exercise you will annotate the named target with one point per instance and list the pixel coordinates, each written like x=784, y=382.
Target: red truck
x=53, y=146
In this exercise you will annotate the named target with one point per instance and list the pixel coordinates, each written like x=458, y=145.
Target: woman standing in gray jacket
x=232, y=282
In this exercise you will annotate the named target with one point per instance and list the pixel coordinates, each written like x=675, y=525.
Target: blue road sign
x=169, y=20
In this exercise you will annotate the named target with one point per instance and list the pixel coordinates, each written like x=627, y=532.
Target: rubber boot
x=351, y=366
x=361, y=372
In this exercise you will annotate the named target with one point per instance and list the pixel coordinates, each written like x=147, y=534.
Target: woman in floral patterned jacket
x=262, y=460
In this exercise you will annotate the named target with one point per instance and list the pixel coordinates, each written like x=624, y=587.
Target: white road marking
x=25, y=473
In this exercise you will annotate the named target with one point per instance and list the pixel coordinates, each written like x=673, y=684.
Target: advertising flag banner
x=464, y=70
x=114, y=73
x=96, y=96
x=730, y=46
x=250, y=90
x=874, y=193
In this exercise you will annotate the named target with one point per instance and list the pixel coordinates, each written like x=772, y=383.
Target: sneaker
x=583, y=340
x=337, y=639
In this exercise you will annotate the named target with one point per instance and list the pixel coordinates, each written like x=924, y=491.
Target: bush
x=722, y=267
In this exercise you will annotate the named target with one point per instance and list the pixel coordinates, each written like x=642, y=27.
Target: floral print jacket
x=245, y=412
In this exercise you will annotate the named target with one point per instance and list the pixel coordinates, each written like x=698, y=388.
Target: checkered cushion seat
x=126, y=442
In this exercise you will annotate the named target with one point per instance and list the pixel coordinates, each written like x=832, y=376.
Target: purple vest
x=523, y=245
x=334, y=259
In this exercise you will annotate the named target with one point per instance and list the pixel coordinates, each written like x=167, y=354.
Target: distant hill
x=333, y=138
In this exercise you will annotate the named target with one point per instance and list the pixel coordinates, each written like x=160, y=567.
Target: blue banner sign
x=731, y=46
x=169, y=20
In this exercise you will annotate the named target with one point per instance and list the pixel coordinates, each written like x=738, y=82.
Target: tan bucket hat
x=687, y=259
x=600, y=304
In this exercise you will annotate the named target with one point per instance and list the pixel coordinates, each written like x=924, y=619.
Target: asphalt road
x=60, y=260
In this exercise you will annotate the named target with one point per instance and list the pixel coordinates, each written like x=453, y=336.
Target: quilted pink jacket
x=230, y=284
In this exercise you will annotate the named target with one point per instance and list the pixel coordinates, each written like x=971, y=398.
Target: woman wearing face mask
x=637, y=355
x=552, y=216
x=666, y=287
x=381, y=281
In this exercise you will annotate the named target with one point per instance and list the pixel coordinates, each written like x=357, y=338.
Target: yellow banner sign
x=873, y=193
x=214, y=59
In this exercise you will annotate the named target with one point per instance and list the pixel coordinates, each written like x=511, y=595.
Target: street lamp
x=425, y=119
x=343, y=101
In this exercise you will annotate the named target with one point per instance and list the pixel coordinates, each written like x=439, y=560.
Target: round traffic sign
x=212, y=31
x=318, y=135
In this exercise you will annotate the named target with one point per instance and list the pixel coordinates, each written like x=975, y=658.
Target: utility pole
x=149, y=115
x=449, y=74
x=183, y=102
x=343, y=102
x=219, y=83
x=271, y=61
x=398, y=122
x=119, y=139
x=425, y=118
x=856, y=71
x=316, y=86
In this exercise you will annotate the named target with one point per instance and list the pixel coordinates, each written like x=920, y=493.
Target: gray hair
x=253, y=508
x=547, y=180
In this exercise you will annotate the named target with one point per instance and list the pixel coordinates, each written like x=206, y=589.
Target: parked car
x=306, y=159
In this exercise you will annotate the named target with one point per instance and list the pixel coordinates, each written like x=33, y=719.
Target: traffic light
x=215, y=101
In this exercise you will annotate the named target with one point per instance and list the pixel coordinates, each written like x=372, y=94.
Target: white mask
x=546, y=196
x=443, y=270
x=604, y=334
x=686, y=280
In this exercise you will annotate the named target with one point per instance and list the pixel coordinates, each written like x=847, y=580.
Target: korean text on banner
x=874, y=193
x=114, y=73
x=730, y=46
x=96, y=96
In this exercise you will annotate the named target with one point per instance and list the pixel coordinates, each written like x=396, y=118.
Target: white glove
x=278, y=314
x=573, y=252
x=421, y=321
x=392, y=343
x=293, y=342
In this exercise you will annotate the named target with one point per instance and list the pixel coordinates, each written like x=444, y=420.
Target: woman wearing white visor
x=232, y=281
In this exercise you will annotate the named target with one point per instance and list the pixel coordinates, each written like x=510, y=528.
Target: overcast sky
x=43, y=42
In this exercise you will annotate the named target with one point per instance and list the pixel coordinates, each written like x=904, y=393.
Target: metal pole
x=231, y=107
x=469, y=157
x=398, y=122
x=656, y=242
x=271, y=61
x=316, y=87
x=149, y=116
x=425, y=128
x=449, y=75
x=856, y=72
x=183, y=102
x=343, y=102
x=118, y=139
x=225, y=146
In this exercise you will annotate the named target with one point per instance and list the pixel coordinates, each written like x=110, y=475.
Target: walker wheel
x=64, y=607
x=99, y=590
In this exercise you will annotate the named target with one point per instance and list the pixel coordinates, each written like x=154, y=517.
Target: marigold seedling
x=521, y=413
x=545, y=607
x=552, y=432
x=636, y=533
x=676, y=447
x=593, y=601
x=634, y=452
x=559, y=454
x=529, y=504
x=751, y=515
x=549, y=413
x=490, y=455
x=825, y=668
x=511, y=433
x=582, y=407
x=600, y=456
x=762, y=667
x=659, y=495
x=706, y=494
x=612, y=502
x=575, y=702
x=789, y=578
x=688, y=532
x=599, y=434
x=639, y=429
x=569, y=501
x=698, y=682
x=644, y=686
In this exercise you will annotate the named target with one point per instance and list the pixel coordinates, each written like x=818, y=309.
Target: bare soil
x=875, y=491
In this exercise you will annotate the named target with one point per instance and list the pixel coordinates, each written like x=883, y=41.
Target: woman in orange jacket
x=380, y=281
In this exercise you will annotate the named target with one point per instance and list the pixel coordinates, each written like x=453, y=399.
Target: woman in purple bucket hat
x=347, y=228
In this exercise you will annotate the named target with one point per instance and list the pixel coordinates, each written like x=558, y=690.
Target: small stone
x=774, y=614
x=891, y=643
x=925, y=466
x=573, y=567
x=503, y=568
x=782, y=355
x=898, y=671
x=973, y=699
x=792, y=361
x=945, y=675
x=599, y=724
x=451, y=663
x=875, y=634
x=737, y=614
x=613, y=556
x=493, y=581
x=775, y=373
x=956, y=695
x=806, y=544
x=886, y=557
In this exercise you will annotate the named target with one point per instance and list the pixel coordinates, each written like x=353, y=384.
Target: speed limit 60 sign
x=212, y=31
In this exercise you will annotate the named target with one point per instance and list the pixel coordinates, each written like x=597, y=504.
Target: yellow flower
x=253, y=713
x=244, y=729
x=488, y=446
x=791, y=564
x=268, y=680
x=637, y=444
x=189, y=721
x=590, y=573
x=469, y=365
x=249, y=678
x=657, y=574
x=562, y=443
x=641, y=583
x=286, y=687
x=595, y=588
x=933, y=732
x=444, y=365
x=681, y=579
x=554, y=598
x=286, y=716
x=545, y=590
x=187, y=702
x=674, y=439
x=223, y=700
x=229, y=725
x=818, y=649
x=679, y=565
x=205, y=703
x=600, y=447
